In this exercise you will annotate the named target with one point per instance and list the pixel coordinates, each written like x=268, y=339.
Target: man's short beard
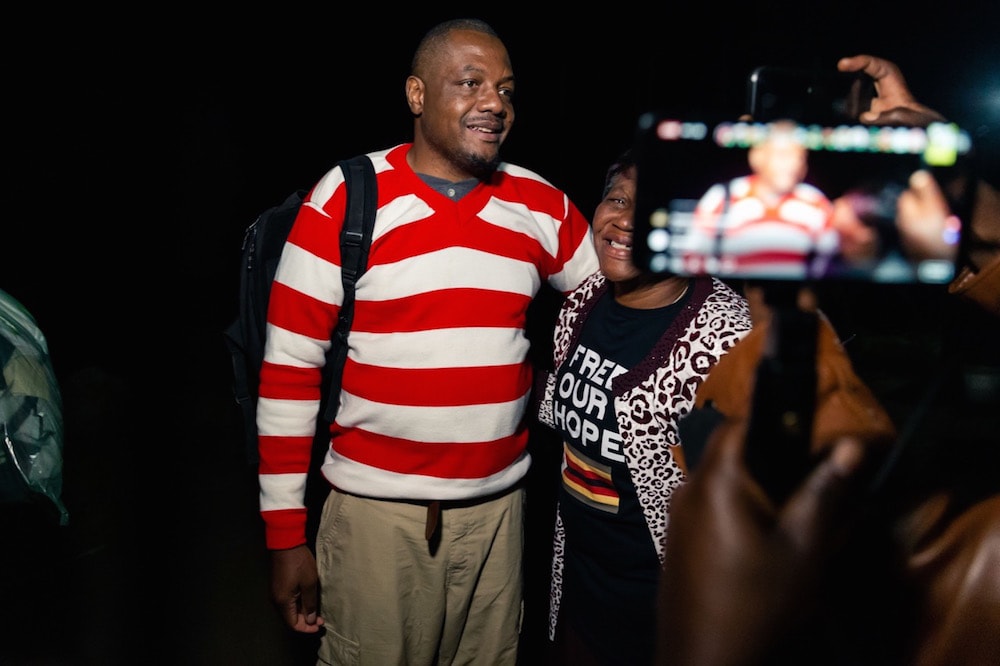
x=480, y=168
x=470, y=162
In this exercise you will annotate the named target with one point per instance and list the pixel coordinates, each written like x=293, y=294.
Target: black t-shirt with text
x=611, y=567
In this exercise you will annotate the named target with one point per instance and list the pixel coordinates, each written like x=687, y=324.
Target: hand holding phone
x=893, y=103
x=825, y=97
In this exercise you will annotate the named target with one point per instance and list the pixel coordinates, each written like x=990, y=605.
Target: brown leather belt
x=433, y=518
x=434, y=508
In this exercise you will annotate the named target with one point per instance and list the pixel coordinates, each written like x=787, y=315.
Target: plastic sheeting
x=31, y=417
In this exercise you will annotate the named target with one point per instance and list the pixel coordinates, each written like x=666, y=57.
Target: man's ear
x=415, y=94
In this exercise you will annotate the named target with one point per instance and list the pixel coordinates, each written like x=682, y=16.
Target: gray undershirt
x=449, y=189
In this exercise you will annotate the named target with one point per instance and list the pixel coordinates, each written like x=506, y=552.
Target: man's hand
x=740, y=571
x=895, y=104
x=926, y=226
x=295, y=588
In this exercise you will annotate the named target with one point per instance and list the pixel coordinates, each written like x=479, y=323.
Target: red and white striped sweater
x=437, y=378
x=791, y=237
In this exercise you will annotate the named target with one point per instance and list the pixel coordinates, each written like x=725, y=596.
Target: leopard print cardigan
x=649, y=399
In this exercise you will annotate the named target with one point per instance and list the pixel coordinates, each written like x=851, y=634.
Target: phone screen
x=788, y=201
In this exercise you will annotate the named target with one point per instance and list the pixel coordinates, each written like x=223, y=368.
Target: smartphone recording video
x=783, y=200
x=826, y=97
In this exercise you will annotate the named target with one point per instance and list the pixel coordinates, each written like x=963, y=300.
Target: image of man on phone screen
x=769, y=223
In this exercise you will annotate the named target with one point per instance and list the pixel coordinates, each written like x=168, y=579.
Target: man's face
x=781, y=162
x=464, y=106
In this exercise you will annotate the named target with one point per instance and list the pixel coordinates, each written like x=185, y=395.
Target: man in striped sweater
x=418, y=553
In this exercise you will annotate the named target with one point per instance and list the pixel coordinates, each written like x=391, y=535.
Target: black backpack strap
x=355, y=239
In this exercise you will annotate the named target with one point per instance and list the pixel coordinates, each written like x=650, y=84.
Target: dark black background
x=141, y=142
x=140, y=147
